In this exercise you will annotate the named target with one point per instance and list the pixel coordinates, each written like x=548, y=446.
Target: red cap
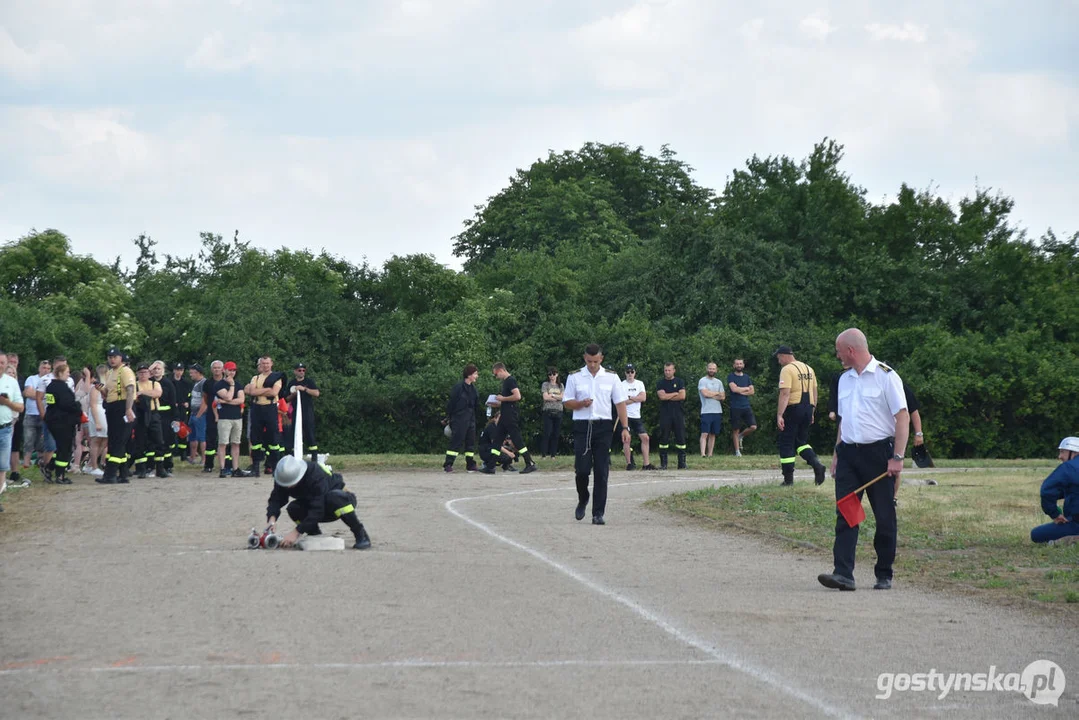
x=230, y=365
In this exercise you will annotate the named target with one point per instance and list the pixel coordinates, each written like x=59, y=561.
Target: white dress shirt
x=603, y=388
x=868, y=403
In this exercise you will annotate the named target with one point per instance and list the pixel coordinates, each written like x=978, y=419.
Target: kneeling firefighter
x=318, y=497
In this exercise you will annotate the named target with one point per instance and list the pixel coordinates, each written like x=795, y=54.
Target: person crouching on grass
x=1062, y=484
x=320, y=497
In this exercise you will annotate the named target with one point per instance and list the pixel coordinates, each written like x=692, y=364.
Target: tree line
x=609, y=244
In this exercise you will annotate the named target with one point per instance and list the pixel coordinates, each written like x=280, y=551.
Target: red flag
x=850, y=507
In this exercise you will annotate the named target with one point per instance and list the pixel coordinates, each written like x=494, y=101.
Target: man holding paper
x=874, y=424
x=590, y=393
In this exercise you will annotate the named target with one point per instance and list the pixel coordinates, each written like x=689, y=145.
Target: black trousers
x=211, y=440
x=339, y=505
x=168, y=437
x=462, y=437
x=309, y=442
x=119, y=434
x=592, y=450
x=149, y=445
x=855, y=466
x=794, y=437
x=265, y=439
x=64, y=435
x=552, y=426
x=507, y=428
x=672, y=423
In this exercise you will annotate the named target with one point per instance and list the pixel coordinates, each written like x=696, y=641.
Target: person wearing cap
x=591, y=393
x=1062, y=484
x=301, y=382
x=119, y=393
x=149, y=448
x=317, y=496
x=635, y=397
x=873, y=428
x=196, y=418
x=166, y=412
x=230, y=400
x=263, y=390
x=181, y=411
x=794, y=414
x=551, y=392
x=461, y=415
x=743, y=422
x=508, y=425
x=672, y=420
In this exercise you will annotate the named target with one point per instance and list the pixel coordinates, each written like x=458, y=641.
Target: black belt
x=875, y=443
x=7, y=424
x=593, y=420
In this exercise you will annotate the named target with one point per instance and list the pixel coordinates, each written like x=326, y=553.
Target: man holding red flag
x=873, y=424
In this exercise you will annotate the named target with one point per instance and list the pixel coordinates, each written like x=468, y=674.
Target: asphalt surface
x=481, y=597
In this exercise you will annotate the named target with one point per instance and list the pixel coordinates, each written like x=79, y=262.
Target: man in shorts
x=742, y=420
x=636, y=394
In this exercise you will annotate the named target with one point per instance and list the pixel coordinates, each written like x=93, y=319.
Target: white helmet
x=289, y=471
x=1070, y=443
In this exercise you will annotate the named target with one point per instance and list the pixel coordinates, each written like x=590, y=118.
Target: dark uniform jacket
x=61, y=407
x=463, y=400
x=167, y=399
x=1062, y=484
x=311, y=491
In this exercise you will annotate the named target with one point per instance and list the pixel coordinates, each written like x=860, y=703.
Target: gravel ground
x=481, y=597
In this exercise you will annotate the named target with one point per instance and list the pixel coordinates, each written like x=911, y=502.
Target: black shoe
x=471, y=468
x=106, y=480
x=14, y=477
x=529, y=468
x=681, y=466
x=631, y=466
x=598, y=520
x=46, y=473
x=207, y=469
x=225, y=474
x=508, y=468
x=883, y=584
x=267, y=470
x=122, y=480
x=649, y=466
x=142, y=475
x=579, y=512
x=241, y=473
x=486, y=470
x=62, y=479
x=836, y=582
x=662, y=466
x=787, y=483
x=818, y=474
x=447, y=468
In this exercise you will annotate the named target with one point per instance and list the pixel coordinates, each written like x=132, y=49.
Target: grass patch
x=969, y=534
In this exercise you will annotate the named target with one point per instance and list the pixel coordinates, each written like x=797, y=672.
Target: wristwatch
x=897, y=456
x=917, y=434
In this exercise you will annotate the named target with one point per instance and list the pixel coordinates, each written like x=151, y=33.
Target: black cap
x=197, y=368
x=125, y=357
x=783, y=350
x=299, y=366
x=114, y=351
x=630, y=366
x=143, y=366
x=178, y=366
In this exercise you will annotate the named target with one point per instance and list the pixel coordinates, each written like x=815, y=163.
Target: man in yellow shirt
x=119, y=392
x=794, y=414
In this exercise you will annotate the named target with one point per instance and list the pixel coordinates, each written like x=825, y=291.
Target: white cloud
x=816, y=27
x=907, y=32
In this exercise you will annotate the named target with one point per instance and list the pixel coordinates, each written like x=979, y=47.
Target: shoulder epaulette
x=884, y=367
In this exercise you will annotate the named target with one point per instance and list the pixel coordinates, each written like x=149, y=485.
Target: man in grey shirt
x=710, y=389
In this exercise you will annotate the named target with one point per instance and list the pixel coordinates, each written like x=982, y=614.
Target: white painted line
x=389, y=664
x=725, y=658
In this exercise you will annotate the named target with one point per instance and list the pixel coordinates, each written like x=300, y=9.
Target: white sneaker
x=741, y=443
x=737, y=453
x=97, y=472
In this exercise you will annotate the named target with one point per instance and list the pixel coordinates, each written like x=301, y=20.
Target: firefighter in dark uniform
x=461, y=414
x=180, y=413
x=672, y=420
x=264, y=389
x=119, y=394
x=794, y=415
x=209, y=411
x=62, y=415
x=320, y=497
x=508, y=425
x=166, y=409
x=149, y=448
x=873, y=429
x=303, y=383
x=488, y=451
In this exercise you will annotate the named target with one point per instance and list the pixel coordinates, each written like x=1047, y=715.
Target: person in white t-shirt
x=635, y=397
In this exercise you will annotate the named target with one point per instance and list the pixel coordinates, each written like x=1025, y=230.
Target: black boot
x=363, y=541
x=61, y=477
x=47, y=470
x=662, y=459
x=788, y=474
x=818, y=468
x=125, y=476
x=681, y=459
x=143, y=472
x=161, y=472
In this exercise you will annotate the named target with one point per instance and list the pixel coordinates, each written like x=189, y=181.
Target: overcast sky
x=373, y=127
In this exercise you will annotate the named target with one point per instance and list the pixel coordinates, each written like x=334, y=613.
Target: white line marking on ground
x=732, y=661
x=389, y=664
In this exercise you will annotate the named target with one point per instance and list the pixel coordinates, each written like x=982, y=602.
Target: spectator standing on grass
x=166, y=409
x=83, y=386
x=635, y=397
x=672, y=420
x=873, y=429
x=552, y=413
x=230, y=400
x=11, y=404
x=97, y=426
x=180, y=413
x=33, y=440
x=742, y=420
x=62, y=416
x=196, y=419
x=16, y=434
x=710, y=390
x=1062, y=484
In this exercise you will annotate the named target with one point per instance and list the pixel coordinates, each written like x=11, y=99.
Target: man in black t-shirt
x=303, y=383
x=508, y=423
x=672, y=393
x=230, y=399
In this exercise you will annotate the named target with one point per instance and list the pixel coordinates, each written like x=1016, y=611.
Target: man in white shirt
x=590, y=394
x=710, y=389
x=635, y=396
x=873, y=427
x=11, y=404
x=34, y=432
